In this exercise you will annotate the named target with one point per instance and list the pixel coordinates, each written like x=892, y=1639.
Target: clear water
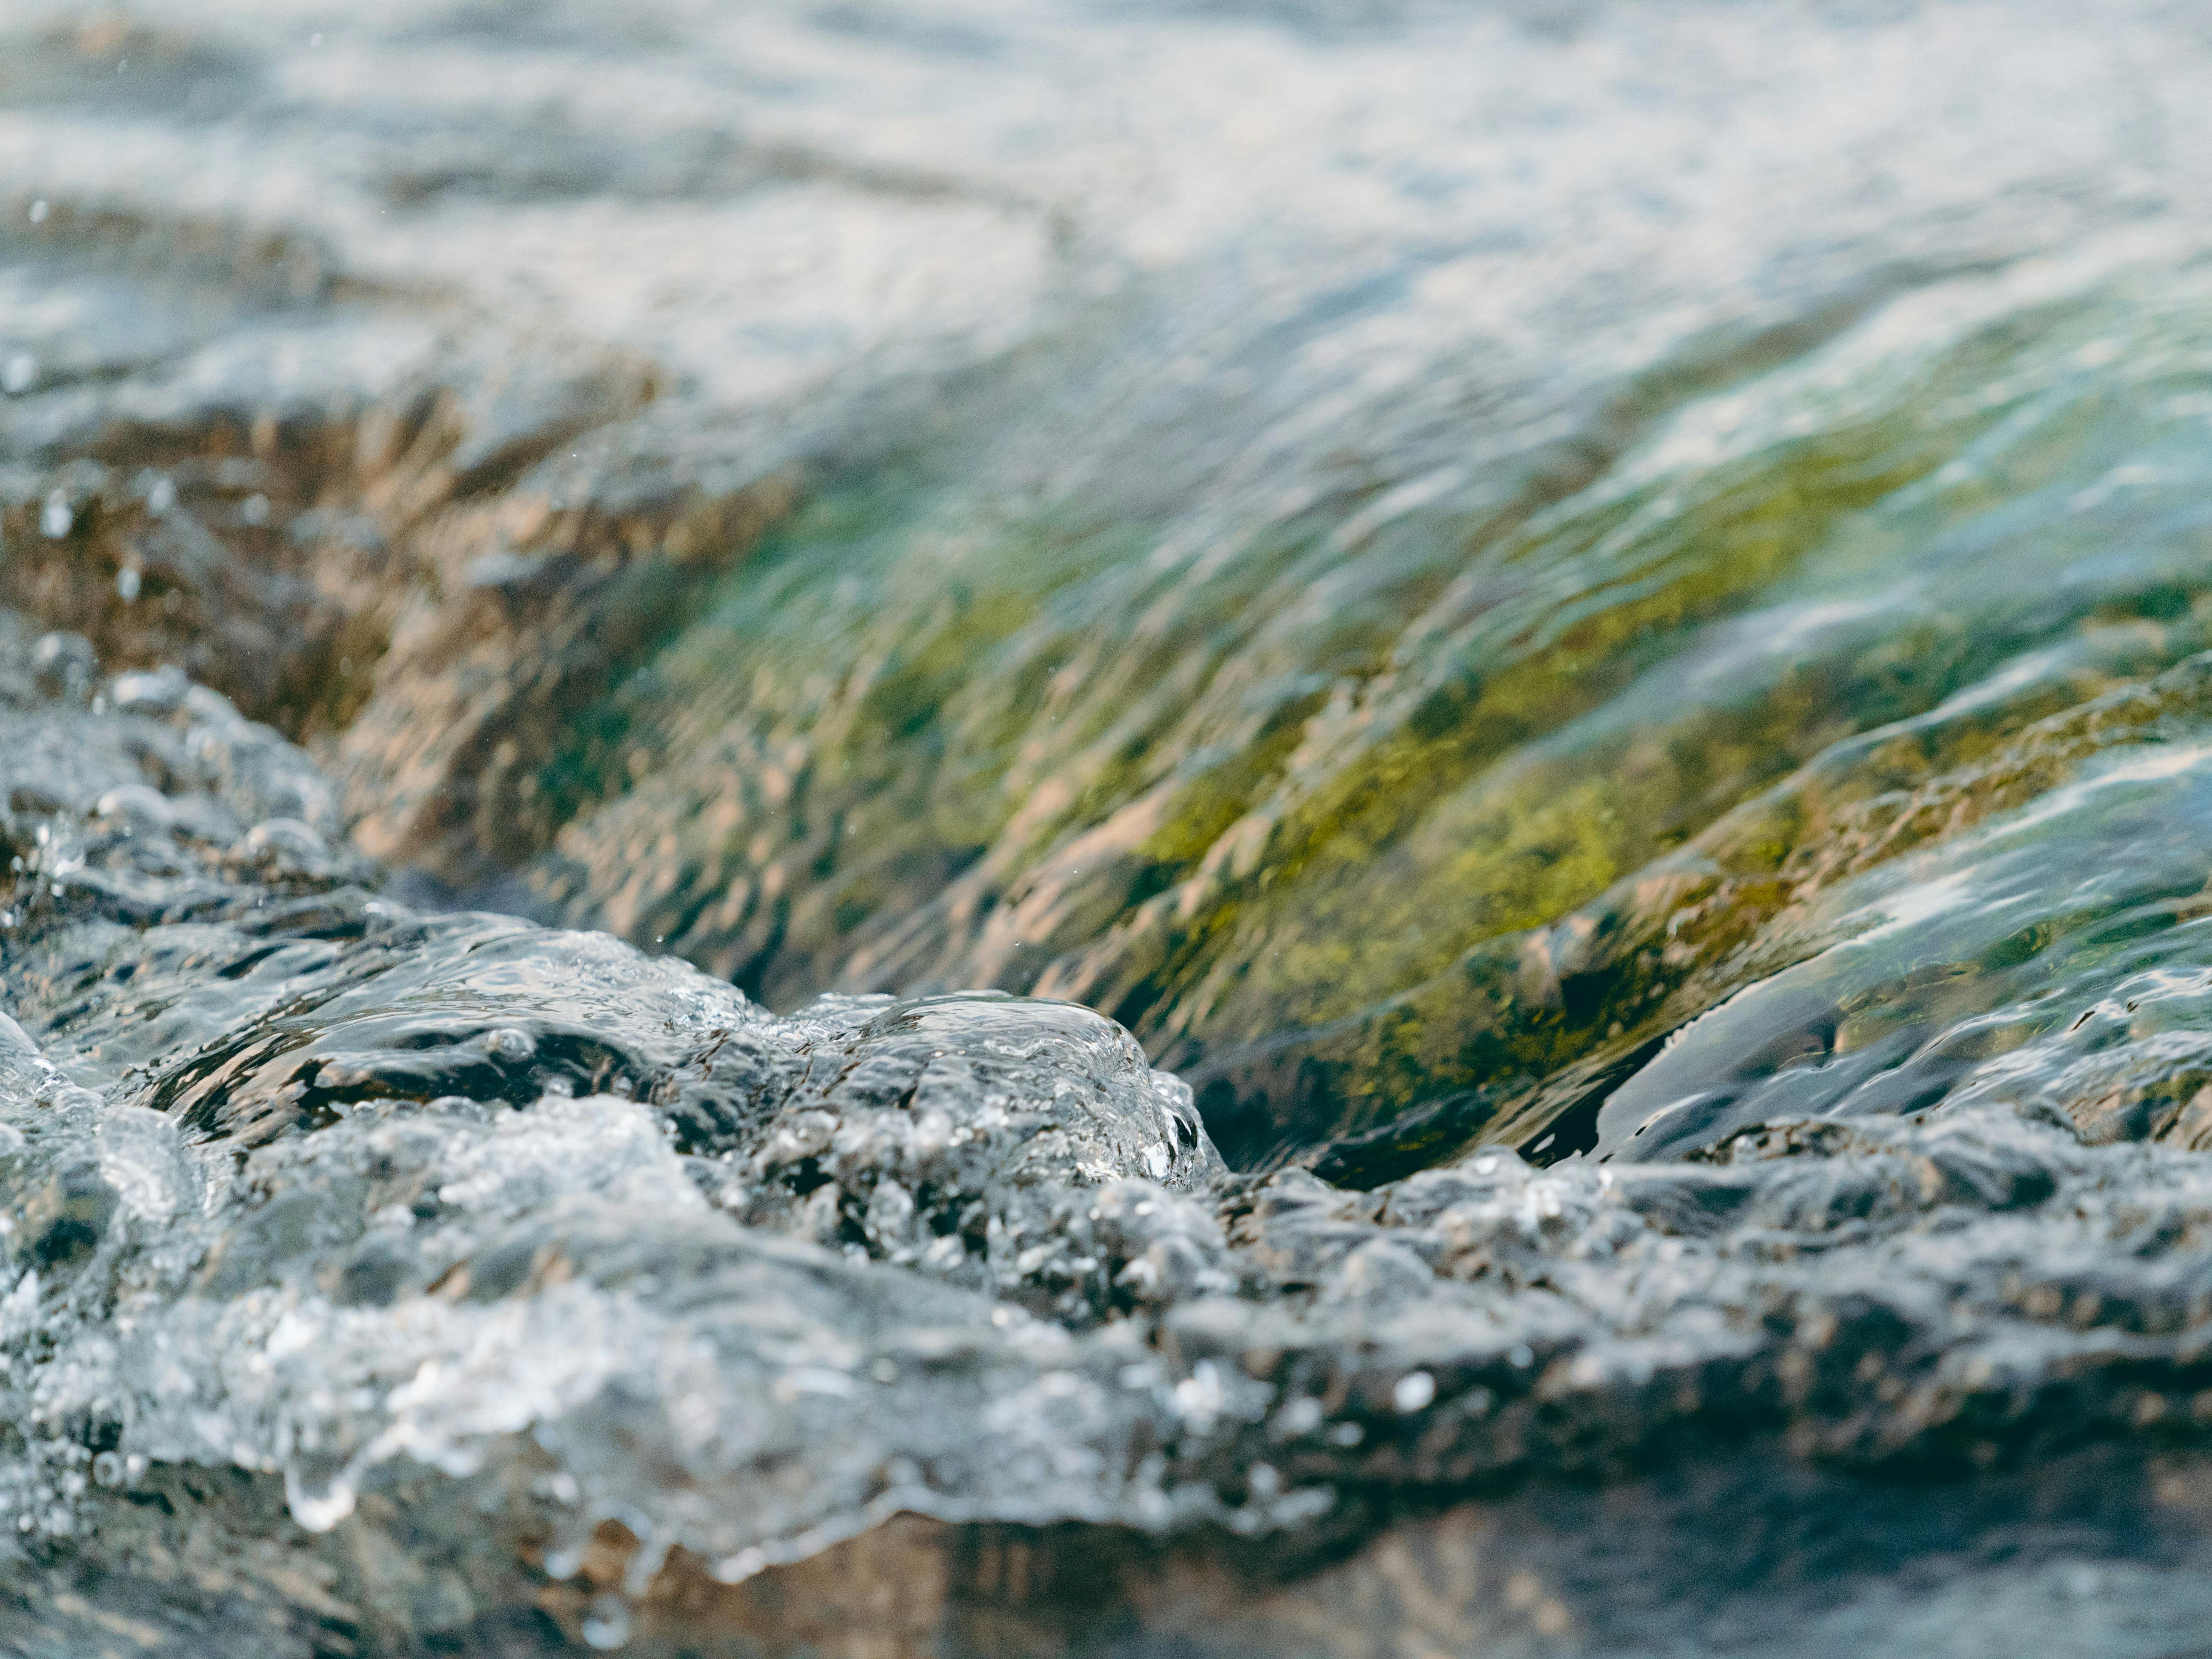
x=1585, y=622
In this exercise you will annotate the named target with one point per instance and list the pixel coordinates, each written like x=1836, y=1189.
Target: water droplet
x=126, y=583
x=254, y=510
x=1415, y=1391
x=160, y=496
x=19, y=374
x=39, y=210
x=56, y=518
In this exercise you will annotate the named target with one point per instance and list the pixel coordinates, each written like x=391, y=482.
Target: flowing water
x=1562, y=651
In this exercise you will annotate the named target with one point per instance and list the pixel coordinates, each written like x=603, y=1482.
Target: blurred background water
x=1501, y=571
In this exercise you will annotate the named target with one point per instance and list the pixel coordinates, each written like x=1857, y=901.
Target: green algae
x=1358, y=863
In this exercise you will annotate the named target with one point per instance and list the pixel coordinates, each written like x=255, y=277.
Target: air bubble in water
x=254, y=510
x=319, y=1499
x=141, y=1154
x=56, y=518
x=19, y=374
x=126, y=583
x=607, y=1624
x=509, y=1044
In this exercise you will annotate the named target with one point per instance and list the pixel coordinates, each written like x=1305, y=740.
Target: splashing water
x=1584, y=628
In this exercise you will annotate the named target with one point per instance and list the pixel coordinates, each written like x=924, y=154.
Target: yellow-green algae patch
x=1299, y=808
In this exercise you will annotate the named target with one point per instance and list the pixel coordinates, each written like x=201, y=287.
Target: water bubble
x=160, y=496
x=126, y=583
x=565, y=1559
x=285, y=845
x=157, y=691
x=56, y=518
x=63, y=664
x=319, y=1499
x=1414, y=1391
x=607, y=1624
x=19, y=374
x=507, y=1043
x=254, y=510
x=144, y=1159
x=39, y=210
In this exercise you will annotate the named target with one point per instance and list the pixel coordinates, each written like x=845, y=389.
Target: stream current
x=1470, y=745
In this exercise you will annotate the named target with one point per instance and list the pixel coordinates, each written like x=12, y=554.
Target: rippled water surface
x=1563, y=653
